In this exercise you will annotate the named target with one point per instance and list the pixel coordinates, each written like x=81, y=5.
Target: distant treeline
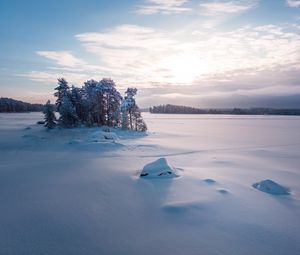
x=12, y=105
x=173, y=109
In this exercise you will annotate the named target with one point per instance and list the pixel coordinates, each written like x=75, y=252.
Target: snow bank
x=182, y=206
x=101, y=136
x=271, y=187
x=159, y=169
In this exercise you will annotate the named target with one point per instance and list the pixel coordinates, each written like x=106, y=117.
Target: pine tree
x=94, y=95
x=130, y=104
x=89, y=120
x=63, y=89
x=131, y=114
x=77, y=101
x=139, y=124
x=49, y=115
x=111, y=102
x=97, y=103
x=124, y=112
x=68, y=117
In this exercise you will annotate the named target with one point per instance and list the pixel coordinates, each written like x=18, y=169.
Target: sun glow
x=185, y=69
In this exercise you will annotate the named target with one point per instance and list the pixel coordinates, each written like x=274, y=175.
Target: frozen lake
x=72, y=192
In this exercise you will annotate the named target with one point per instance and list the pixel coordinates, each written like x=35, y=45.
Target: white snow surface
x=72, y=191
x=159, y=169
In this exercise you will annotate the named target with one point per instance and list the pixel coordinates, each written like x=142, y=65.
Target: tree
x=76, y=95
x=94, y=101
x=128, y=105
x=63, y=90
x=131, y=114
x=49, y=115
x=111, y=102
x=97, y=103
x=11, y=105
x=139, y=124
x=68, y=117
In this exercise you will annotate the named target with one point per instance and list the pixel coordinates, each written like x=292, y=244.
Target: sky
x=203, y=53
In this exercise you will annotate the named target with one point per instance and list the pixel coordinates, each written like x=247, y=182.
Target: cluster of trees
x=242, y=111
x=12, y=105
x=96, y=103
x=169, y=108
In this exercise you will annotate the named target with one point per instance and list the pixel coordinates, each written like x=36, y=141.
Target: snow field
x=76, y=192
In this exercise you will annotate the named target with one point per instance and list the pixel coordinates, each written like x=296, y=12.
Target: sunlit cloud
x=51, y=77
x=293, y=3
x=163, y=7
x=249, y=60
x=147, y=55
x=220, y=7
x=62, y=58
x=180, y=49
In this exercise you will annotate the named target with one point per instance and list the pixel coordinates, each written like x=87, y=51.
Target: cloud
x=250, y=60
x=163, y=7
x=212, y=8
x=51, y=77
x=62, y=58
x=293, y=3
x=147, y=56
x=133, y=53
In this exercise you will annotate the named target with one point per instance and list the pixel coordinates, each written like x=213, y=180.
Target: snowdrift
x=271, y=187
x=102, y=136
x=159, y=169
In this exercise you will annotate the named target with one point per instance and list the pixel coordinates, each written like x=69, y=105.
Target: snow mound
x=159, y=169
x=110, y=136
x=210, y=181
x=271, y=187
x=101, y=136
x=182, y=206
x=223, y=191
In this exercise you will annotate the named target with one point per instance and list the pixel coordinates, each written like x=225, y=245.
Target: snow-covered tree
x=68, y=117
x=77, y=97
x=97, y=103
x=111, y=102
x=124, y=112
x=89, y=120
x=94, y=95
x=131, y=114
x=63, y=89
x=49, y=115
x=128, y=106
x=138, y=122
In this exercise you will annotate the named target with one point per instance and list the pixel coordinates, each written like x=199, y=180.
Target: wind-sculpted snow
x=183, y=206
x=79, y=191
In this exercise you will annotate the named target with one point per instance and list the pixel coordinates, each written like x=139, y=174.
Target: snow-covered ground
x=79, y=191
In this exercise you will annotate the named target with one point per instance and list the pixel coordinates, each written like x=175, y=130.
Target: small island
x=96, y=103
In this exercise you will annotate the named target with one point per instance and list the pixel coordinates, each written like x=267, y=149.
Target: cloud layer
x=191, y=62
x=162, y=7
x=225, y=7
x=293, y=3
